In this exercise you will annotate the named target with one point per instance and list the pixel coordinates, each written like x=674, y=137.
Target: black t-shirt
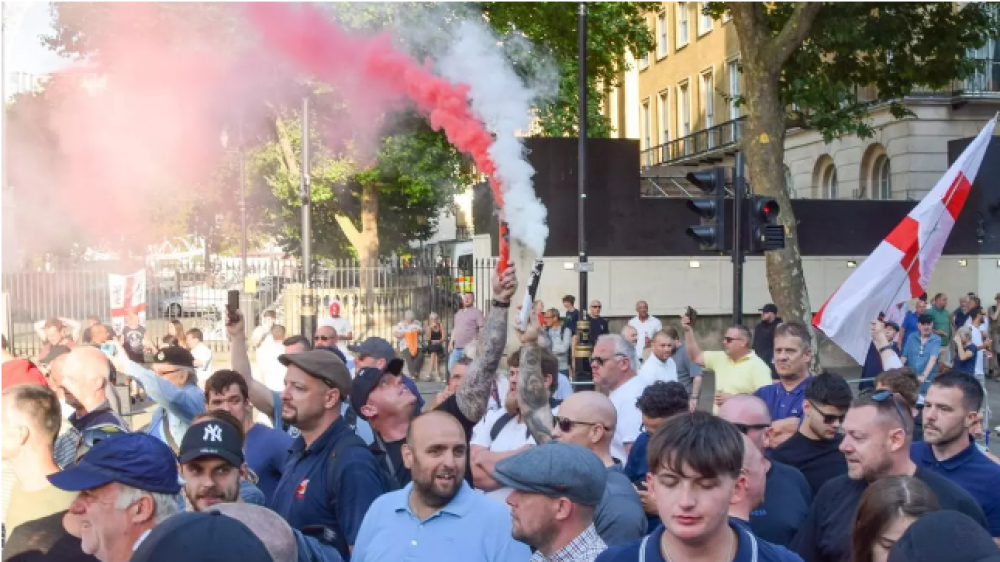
x=825, y=536
x=598, y=327
x=819, y=461
x=44, y=540
x=394, y=450
x=787, y=498
x=132, y=342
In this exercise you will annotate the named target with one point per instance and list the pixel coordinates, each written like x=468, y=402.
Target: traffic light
x=765, y=232
x=711, y=233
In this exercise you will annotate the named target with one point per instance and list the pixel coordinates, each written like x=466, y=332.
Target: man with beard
x=212, y=464
x=950, y=410
x=86, y=389
x=331, y=477
x=876, y=443
x=659, y=366
x=555, y=490
x=792, y=352
x=437, y=516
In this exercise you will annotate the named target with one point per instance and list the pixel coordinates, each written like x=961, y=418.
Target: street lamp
x=224, y=139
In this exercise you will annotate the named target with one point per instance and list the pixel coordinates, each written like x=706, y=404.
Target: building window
x=644, y=61
x=830, y=182
x=882, y=178
x=647, y=140
x=663, y=114
x=661, y=35
x=789, y=184
x=708, y=103
x=734, y=89
x=684, y=114
x=682, y=24
x=704, y=20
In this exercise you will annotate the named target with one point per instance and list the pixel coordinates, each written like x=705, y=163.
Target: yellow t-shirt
x=737, y=377
x=28, y=506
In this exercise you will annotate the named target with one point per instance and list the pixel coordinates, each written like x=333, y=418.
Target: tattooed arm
x=473, y=394
x=532, y=395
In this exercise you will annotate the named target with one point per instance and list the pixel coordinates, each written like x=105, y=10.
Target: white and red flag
x=128, y=294
x=901, y=266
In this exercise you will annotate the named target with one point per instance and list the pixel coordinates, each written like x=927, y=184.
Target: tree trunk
x=368, y=248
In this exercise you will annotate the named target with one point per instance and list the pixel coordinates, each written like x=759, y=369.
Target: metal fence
x=374, y=299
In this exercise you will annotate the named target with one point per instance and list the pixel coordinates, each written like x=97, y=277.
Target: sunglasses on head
x=882, y=396
x=746, y=428
x=567, y=425
x=828, y=418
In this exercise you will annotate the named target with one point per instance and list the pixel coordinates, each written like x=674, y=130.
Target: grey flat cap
x=556, y=470
x=323, y=365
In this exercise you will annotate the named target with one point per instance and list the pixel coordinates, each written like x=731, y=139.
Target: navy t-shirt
x=267, y=453
x=967, y=365
x=970, y=469
x=748, y=549
x=786, y=504
x=637, y=467
x=819, y=461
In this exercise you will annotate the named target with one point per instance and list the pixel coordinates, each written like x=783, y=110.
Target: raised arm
x=691, y=343
x=75, y=328
x=474, y=393
x=531, y=392
x=261, y=397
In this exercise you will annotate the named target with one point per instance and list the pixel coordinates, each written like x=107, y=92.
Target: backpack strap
x=351, y=419
x=499, y=425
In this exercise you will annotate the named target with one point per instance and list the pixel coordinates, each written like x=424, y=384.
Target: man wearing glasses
x=737, y=368
x=877, y=437
x=598, y=326
x=786, y=495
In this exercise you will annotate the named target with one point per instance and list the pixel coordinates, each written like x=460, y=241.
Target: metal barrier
x=374, y=299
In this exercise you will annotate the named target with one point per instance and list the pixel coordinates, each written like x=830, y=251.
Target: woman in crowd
x=435, y=336
x=176, y=330
x=887, y=508
x=965, y=351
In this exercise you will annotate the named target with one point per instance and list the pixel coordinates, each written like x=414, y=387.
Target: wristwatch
x=885, y=347
x=500, y=304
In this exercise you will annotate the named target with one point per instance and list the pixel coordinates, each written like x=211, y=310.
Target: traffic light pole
x=739, y=192
x=308, y=312
x=584, y=346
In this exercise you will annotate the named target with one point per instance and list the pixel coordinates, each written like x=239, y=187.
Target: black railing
x=696, y=145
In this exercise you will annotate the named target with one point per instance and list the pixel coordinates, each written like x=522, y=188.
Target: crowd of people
x=327, y=452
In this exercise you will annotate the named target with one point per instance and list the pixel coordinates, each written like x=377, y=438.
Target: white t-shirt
x=203, y=354
x=977, y=338
x=654, y=370
x=629, y=424
x=269, y=370
x=343, y=327
x=645, y=329
x=513, y=436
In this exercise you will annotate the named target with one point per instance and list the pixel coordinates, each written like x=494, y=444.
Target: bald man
x=267, y=525
x=405, y=524
x=755, y=471
x=86, y=388
x=588, y=419
x=787, y=496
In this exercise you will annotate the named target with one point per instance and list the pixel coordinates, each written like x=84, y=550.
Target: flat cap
x=556, y=470
x=323, y=365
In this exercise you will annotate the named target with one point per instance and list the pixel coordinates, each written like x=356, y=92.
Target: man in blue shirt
x=950, y=410
x=792, y=354
x=437, y=516
x=920, y=352
x=331, y=478
x=696, y=476
x=909, y=324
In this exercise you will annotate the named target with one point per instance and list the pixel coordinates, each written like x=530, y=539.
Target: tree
x=814, y=55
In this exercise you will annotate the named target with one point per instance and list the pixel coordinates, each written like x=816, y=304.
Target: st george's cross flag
x=901, y=266
x=128, y=294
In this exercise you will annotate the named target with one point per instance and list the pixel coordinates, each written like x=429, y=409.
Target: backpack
x=507, y=416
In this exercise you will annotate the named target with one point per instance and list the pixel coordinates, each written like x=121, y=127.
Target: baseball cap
x=556, y=470
x=212, y=438
x=54, y=352
x=769, y=308
x=201, y=537
x=375, y=347
x=945, y=535
x=138, y=460
x=176, y=356
x=321, y=364
x=892, y=325
x=366, y=381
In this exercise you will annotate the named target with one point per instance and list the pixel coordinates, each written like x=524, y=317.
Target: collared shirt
x=783, y=403
x=629, y=424
x=584, y=548
x=942, y=321
x=182, y=404
x=654, y=370
x=468, y=322
x=971, y=470
x=79, y=437
x=748, y=548
x=304, y=497
x=744, y=376
x=918, y=353
x=687, y=370
x=470, y=528
x=645, y=330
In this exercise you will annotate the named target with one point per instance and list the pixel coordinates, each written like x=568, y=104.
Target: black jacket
x=763, y=340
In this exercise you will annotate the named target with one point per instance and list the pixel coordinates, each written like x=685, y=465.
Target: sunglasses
x=601, y=360
x=322, y=338
x=886, y=396
x=728, y=339
x=595, y=306
x=746, y=428
x=566, y=425
x=828, y=419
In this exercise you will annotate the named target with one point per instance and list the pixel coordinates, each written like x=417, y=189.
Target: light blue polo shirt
x=471, y=528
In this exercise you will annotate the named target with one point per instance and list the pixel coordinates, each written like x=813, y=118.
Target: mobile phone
x=108, y=349
x=232, y=306
x=691, y=313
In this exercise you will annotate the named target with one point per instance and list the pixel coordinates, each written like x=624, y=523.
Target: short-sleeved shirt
x=967, y=365
x=942, y=321
x=302, y=496
x=687, y=369
x=971, y=470
x=619, y=517
x=132, y=341
x=783, y=403
x=645, y=330
x=266, y=453
x=394, y=450
x=598, y=327
x=748, y=548
x=513, y=435
x=919, y=353
x=787, y=498
x=825, y=535
x=470, y=527
x=819, y=461
x=629, y=417
x=468, y=322
x=737, y=377
x=569, y=321
x=654, y=370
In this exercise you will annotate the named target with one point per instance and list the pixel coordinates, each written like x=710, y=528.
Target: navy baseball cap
x=366, y=381
x=138, y=460
x=378, y=348
x=199, y=537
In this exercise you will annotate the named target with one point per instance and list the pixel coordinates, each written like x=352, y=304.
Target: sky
x=24, y=52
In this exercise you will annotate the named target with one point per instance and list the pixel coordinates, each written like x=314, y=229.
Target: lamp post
x=224, y=138
x=308, y=314
x=584, y=343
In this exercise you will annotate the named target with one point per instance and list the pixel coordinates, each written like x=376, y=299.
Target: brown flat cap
x=322, y=364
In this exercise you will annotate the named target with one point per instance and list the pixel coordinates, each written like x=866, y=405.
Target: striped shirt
x=583, y=548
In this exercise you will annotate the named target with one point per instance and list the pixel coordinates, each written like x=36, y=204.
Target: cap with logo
x=378, y=348
x=138, y=460
x=176, y=356
x=201, y=537
x=556, y=470
x=323, y=365
x=366, y=381
x=212, y=438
